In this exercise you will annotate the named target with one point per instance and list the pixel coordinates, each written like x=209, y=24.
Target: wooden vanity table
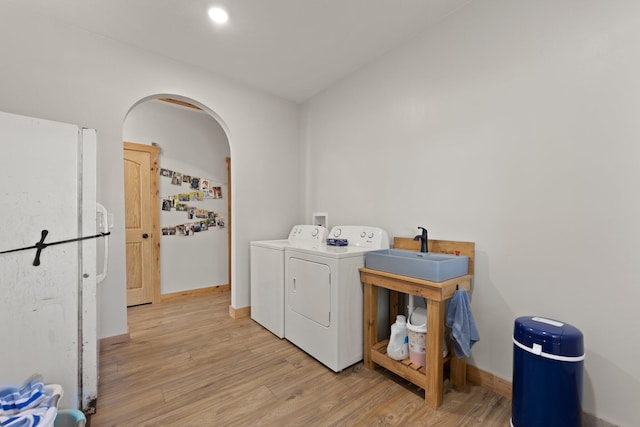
x=431, y=377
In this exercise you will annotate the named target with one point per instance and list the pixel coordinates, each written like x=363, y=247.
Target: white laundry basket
x=56, y=391
x=65, y=417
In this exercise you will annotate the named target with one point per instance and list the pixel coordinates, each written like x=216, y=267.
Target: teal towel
x=463, y=326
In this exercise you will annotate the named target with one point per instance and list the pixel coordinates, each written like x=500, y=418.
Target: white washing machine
x=267, y=275
x=324, y=297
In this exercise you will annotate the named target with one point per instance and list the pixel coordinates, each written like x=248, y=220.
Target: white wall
x=59, y=72
x=512, y=124
x=191, y=142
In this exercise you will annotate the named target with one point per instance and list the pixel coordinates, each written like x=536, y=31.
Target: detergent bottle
x=398, y=347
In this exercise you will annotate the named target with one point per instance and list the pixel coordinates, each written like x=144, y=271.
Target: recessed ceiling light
x=218, y=15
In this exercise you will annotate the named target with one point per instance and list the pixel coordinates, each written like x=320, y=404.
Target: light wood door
x=142, y=236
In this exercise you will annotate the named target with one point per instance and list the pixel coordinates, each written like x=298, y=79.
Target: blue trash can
x=548, y=360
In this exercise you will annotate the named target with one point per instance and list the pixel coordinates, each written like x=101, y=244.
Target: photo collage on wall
x=198, y=219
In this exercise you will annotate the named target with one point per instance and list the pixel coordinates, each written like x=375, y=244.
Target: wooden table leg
x=435, y=336
x=370, y=322
x=458, y=369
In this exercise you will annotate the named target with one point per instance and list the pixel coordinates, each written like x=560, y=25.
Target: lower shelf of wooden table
x=404, y=368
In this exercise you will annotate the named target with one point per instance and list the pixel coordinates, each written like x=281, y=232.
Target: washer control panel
x=357, y=235
x=313, y=233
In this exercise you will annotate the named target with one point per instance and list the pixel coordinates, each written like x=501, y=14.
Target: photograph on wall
x=204, y=226
x=217, y=192
x=188, y=229
x=168, y=231
x=201, y=213
x=181, y=207
x=166, y=204
x=197, y=195
x=195, y=183
x=166, y=172
x=197, y=227
x=186, y=179
x=191, y=212
x=204, y=184
x=180, y=229
x=219, y=221
x=177, y=178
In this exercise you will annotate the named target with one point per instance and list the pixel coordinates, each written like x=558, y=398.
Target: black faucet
x=423, y=240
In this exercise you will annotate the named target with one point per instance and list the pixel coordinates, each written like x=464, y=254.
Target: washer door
x=309, y=290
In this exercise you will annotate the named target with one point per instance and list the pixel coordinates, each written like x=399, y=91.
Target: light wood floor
x=189, y=364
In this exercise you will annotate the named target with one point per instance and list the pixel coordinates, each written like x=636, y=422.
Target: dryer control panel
x=363, y=236
x=308, y=233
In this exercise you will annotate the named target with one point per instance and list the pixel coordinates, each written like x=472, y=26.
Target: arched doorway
x=193, y=196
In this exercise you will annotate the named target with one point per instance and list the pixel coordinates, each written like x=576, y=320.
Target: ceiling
x=289, y=48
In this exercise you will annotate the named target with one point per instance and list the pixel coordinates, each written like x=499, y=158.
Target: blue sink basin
x=434, y=267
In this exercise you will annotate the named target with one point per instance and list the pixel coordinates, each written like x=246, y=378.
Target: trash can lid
x=555, y=337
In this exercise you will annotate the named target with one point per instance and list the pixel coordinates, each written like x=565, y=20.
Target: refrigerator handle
x=104, y=228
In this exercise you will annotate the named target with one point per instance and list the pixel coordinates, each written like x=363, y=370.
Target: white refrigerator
x=48, y=311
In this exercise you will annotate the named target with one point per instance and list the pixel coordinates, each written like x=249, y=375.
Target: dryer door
x=309, y=290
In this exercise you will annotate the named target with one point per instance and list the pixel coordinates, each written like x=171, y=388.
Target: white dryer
x=324, y=297
x=267, y=275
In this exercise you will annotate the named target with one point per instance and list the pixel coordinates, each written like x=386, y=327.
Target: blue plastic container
x=548, y=361
x=70, y=418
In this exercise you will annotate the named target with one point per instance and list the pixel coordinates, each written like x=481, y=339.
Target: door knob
x=145, y=236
